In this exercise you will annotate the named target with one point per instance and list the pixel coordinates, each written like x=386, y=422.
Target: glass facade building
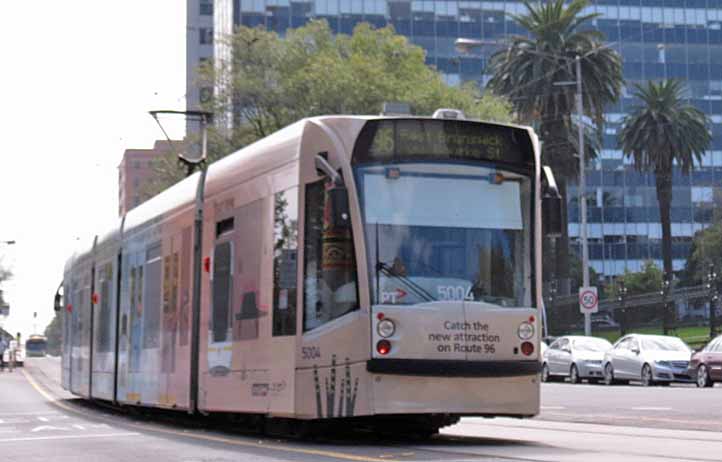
x=657, y=39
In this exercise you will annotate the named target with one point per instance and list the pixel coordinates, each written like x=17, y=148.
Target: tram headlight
x=525, y=331
x=386, y=328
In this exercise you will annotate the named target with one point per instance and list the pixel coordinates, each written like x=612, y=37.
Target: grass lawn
x=695, y=336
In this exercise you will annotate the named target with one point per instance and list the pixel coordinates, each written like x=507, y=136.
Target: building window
x=206, y=8
x=205, y=35
x=136, y=164
x=206, y=93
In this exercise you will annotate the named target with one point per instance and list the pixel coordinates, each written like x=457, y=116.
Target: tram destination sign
x=433, y=139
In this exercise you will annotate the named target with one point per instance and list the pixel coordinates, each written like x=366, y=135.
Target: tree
x=660, y=134
x=706, y=249
x=266, y=82
x=53, y=334
x=5, y=274
x=527, y=70
x=647, y=281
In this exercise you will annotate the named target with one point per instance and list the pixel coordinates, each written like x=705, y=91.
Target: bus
x=375, y=269
x=36, y=346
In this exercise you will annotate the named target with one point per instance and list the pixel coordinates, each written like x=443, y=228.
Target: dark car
x=706, y=364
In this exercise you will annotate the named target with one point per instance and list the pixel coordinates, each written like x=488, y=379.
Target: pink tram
x=346, y=267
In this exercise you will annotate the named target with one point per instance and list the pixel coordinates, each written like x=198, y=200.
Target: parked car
x=650, y=359
x=576, y=357
x=705, y=367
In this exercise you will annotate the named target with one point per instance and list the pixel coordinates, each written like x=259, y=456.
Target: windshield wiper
x=417, y=289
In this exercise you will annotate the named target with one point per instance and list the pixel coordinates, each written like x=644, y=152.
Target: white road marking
x=67, y=437
x=45, y=428
x=43, y=419
x=552, y=408
x=651, y=408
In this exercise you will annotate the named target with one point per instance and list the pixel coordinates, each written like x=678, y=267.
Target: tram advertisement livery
x=355, y=268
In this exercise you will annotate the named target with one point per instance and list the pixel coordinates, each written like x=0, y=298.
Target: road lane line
x=219, y=439
x=67, y=437
x=43, y=419
x=552, y=408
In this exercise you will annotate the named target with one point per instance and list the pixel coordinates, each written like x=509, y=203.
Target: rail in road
x=43, y=422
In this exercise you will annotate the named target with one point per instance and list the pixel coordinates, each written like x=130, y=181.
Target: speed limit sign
x=588, y=300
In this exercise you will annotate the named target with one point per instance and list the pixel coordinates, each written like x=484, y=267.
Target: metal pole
x=582, y=193
x=197, y=273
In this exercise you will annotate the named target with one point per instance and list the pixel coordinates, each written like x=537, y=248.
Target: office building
x=657, y=39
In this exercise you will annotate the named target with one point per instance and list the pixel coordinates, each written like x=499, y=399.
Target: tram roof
x=242, y=164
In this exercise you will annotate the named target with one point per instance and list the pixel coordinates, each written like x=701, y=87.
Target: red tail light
x=527, y=348
x=207, y=264
x=383, y=347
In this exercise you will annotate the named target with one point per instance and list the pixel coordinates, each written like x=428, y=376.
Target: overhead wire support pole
x=204, y=118
x=582, y=191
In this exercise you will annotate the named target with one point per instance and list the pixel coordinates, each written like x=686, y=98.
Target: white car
x=650, y=359
x=575, y=356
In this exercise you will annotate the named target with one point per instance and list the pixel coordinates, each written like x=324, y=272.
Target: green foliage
x=706, y=249
x=53, y=333
x=267, y=82
x=642, y=282
x=526, y=70
x=274, y=82
x=664, y=128
x=661, y=131
x=4, y=275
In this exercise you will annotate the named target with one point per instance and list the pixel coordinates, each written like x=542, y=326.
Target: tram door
x=220, y=338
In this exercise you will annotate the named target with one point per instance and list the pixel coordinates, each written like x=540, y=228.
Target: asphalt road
x=41, y=422
x=683, y=407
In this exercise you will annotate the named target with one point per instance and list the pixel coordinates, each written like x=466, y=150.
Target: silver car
x=576, y=357
x=650, y=359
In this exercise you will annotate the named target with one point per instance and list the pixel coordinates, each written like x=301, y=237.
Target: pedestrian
x=3, y=347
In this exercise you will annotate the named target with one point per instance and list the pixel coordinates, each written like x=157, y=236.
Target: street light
x=621, y=298
x=664, y=292
x=464, y=45
x=713, y=296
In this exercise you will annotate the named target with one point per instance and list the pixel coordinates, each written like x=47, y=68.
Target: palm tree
x=661, y=133
x=526, y=72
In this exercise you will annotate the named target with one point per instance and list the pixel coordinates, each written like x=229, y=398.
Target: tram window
x=285, y=261
x=185, y=283
x=330, y=283
x=104, y=317
x=152, y=297
x=222, y=259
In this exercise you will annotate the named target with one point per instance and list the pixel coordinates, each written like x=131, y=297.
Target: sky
x=77, y=81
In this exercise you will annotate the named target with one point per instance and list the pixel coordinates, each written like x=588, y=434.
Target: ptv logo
x=393, y=296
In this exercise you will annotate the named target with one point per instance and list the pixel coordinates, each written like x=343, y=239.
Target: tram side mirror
x=58, y=304
x=340, y=216
x=551, y=204
x=552, y=215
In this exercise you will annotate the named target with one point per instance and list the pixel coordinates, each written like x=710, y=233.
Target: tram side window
x=285, y=261
x=104, y=317
x=220, y=316
x=152, y=298
x=330, y=282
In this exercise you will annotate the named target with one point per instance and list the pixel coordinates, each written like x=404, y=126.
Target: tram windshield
x=446, y=231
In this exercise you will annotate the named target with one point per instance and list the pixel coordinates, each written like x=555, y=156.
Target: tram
x=360, y=268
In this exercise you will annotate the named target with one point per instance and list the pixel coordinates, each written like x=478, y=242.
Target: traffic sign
x=588, y=300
